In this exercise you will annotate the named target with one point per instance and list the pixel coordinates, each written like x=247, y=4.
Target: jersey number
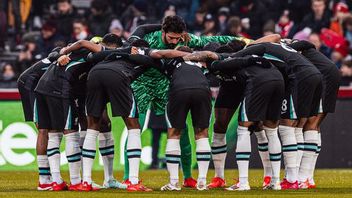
x=284, y=105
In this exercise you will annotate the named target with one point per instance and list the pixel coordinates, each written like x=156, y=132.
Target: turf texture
x=330, y=182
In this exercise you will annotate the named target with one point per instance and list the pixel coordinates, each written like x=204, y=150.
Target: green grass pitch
x=331, y=183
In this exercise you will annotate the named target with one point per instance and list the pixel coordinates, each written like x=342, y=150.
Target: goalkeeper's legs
x=186, y=154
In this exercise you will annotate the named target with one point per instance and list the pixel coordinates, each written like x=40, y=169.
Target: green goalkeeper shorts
x=151, y=90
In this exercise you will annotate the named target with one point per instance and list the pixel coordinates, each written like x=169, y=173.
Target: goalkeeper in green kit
x=151, y=88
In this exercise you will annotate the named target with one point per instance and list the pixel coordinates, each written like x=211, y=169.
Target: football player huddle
x=283, y=89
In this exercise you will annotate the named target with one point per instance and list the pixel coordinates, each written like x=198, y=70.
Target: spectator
x=64, y=18
x=197, y=25
x=30, y=53
x=170, y=11
x=346, y=73
x=7, y=76
x=100, y=19
x=319, y=17
x=339, y=53
x=315, y=39
x=117, y=28
x=347, y=26
x=253, y=16
x=234, y=27
x=223, y=15
x=269, y=28
x=284, y=25
x=134, y=15
x=80, y=30
x=209, y=26
x=340, y=13
x=49, y=38
x=15, y=13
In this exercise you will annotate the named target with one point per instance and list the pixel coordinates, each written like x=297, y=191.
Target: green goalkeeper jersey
x=151, y=88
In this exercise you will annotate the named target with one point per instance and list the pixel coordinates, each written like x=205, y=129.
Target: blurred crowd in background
x=29, y=29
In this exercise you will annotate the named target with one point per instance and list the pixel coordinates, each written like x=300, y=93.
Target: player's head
x=111, y=41
x=172, y=29
x=236, y=45
x=96, y=39
x=184, y=49
x=56, y=49
x=212, y=46
x=232, y=47
x=224, y=49
x=139, y=43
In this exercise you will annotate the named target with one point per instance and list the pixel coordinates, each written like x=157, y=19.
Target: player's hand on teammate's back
x=63, y=60
x=134, y=50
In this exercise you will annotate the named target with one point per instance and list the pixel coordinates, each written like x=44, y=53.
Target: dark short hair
x=232, y=47
x=224, y=49
x=112, y=39
x=212, y=46
x=139, y=43
x=80, y=20
x=173, y=24
x=236, y=45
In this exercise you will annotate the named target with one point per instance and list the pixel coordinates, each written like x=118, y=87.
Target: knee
x=288, y=122
x=174, y=133
x=93, y=123
x=220, y=126
x=271, y=123
x=105, y=126
x=132, y=123
x=201, y=133
x=43, y=132
x=311, y=124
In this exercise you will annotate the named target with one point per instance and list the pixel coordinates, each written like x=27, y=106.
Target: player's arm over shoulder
x=158, y=54
x=201, y=56
x=81, y=44
x=272, y=38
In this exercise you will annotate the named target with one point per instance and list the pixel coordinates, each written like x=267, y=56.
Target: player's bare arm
x=273, y=38
x=201, y=56
x=81, y=44
x=158, y=54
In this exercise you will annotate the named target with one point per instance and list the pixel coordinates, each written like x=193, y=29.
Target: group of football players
x=283, y=89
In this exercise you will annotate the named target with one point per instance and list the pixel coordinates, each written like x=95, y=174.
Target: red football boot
x=217, y=182
x=286, y=185
x=75, y=187
x=190, y=183
x=311, y=184
x=303, y=185
x=266, y=182
x=138, y=187
x=85, y=186
x=43, y=187
x=59, y=187
x=127, y=182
